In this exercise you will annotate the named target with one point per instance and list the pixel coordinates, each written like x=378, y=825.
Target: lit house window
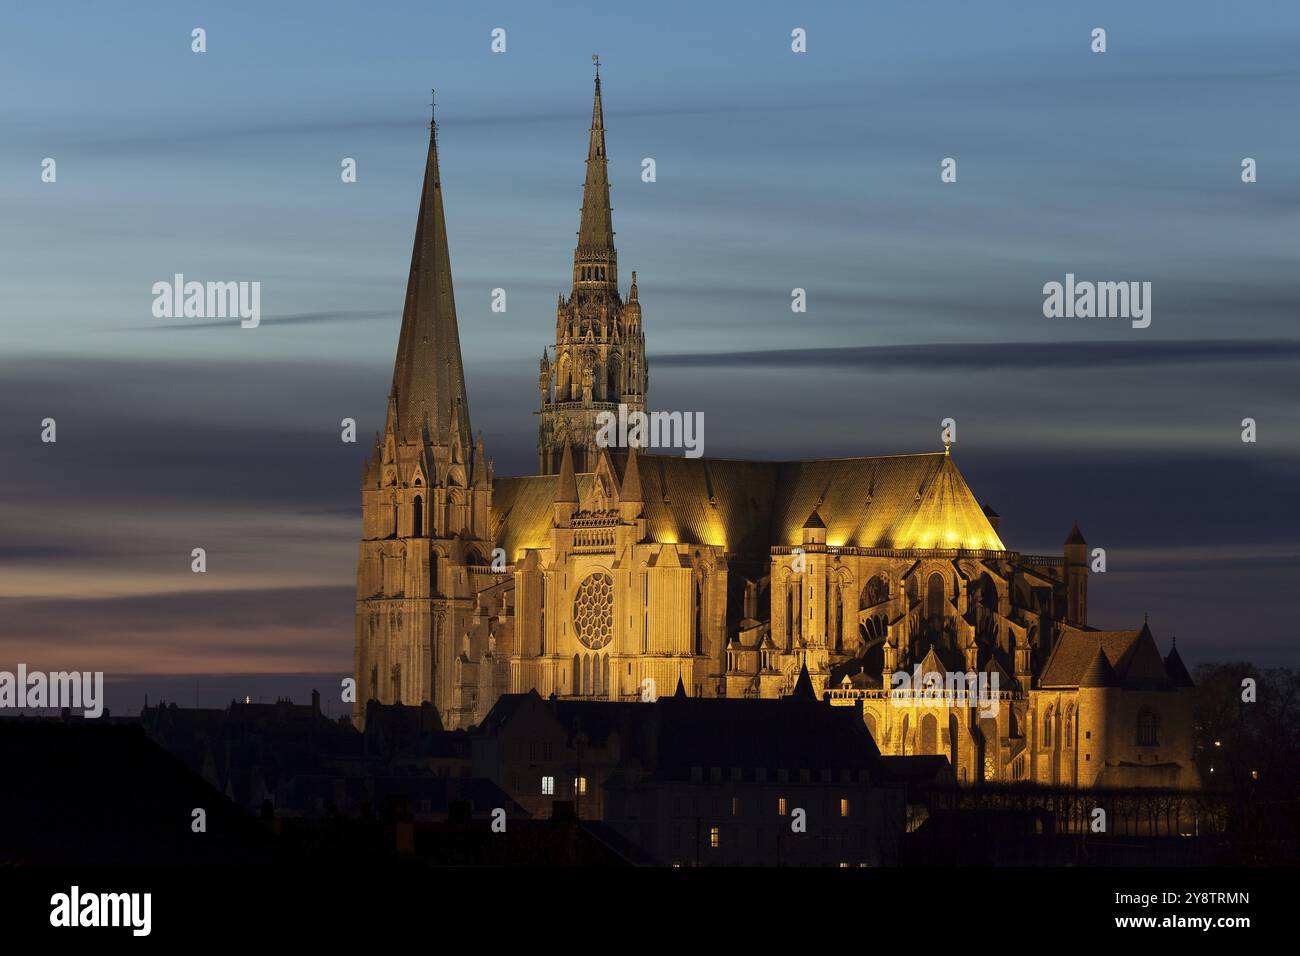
x=844, y=809
x=780, y=806
x=715, y=837
x=548, y=786
x=580, y=786
x=735, y=806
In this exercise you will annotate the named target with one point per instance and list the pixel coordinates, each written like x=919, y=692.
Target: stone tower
x=1076, y=577
x=598, y=359
x=426, y=492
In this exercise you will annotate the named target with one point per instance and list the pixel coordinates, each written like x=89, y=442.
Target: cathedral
x=617, y=574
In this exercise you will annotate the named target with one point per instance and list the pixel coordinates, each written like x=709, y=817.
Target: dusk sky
x=775, y=170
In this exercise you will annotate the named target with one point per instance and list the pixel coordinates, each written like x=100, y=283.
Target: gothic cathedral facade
x=616, y=574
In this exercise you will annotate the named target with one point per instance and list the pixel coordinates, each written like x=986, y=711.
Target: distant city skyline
x=774, y=170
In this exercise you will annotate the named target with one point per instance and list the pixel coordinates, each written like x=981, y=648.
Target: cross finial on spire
x=433, y=111
x=595, y=58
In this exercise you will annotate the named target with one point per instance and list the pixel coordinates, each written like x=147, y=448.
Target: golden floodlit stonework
x=615, y=574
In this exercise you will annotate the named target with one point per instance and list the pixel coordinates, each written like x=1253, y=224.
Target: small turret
x=814, y=529
x=1022, y=665
x=566, y=490
x=803, y=687
x=1095, y=688
x=1099, y=672
x=1177, y=670
x=630, y=495
x=632, y=308
x=478, y=469
x=1076, y=577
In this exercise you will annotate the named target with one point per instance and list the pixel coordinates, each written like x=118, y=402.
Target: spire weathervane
x=433, y=111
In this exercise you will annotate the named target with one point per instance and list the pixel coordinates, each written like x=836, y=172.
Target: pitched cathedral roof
x=428, y=378
x=902, y=501
x=1086, y=658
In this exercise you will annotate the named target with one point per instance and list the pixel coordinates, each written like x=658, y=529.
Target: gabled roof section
x=1131, y=655
x=903, y=501
x=1098, y=673
x=1143, y=665
x=931, y=664
x=803, y=688
x=814, y=522
x=948, y=516
x=1176, y=670
x=899, y=501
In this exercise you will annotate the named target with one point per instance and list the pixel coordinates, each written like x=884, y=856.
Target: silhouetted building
x=291, y=761
x=704, y=781
x=82, y=793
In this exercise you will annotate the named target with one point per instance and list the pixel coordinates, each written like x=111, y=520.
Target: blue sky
x=774, y=170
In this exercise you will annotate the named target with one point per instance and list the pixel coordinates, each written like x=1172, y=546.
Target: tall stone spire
x=426, y=505
x=428, y=378
x=595, y=262
x=599, y=360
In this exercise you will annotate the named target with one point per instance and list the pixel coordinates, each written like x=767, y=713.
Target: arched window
x=577, y=674
x=1148, y=728
x=586, y=674
x=1047, y=728
x=935, y=598
x=613, y=385
x=929, y=734
x=417, y=522
x=876, y=592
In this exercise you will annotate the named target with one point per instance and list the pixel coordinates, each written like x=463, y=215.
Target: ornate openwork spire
x=595, y=263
